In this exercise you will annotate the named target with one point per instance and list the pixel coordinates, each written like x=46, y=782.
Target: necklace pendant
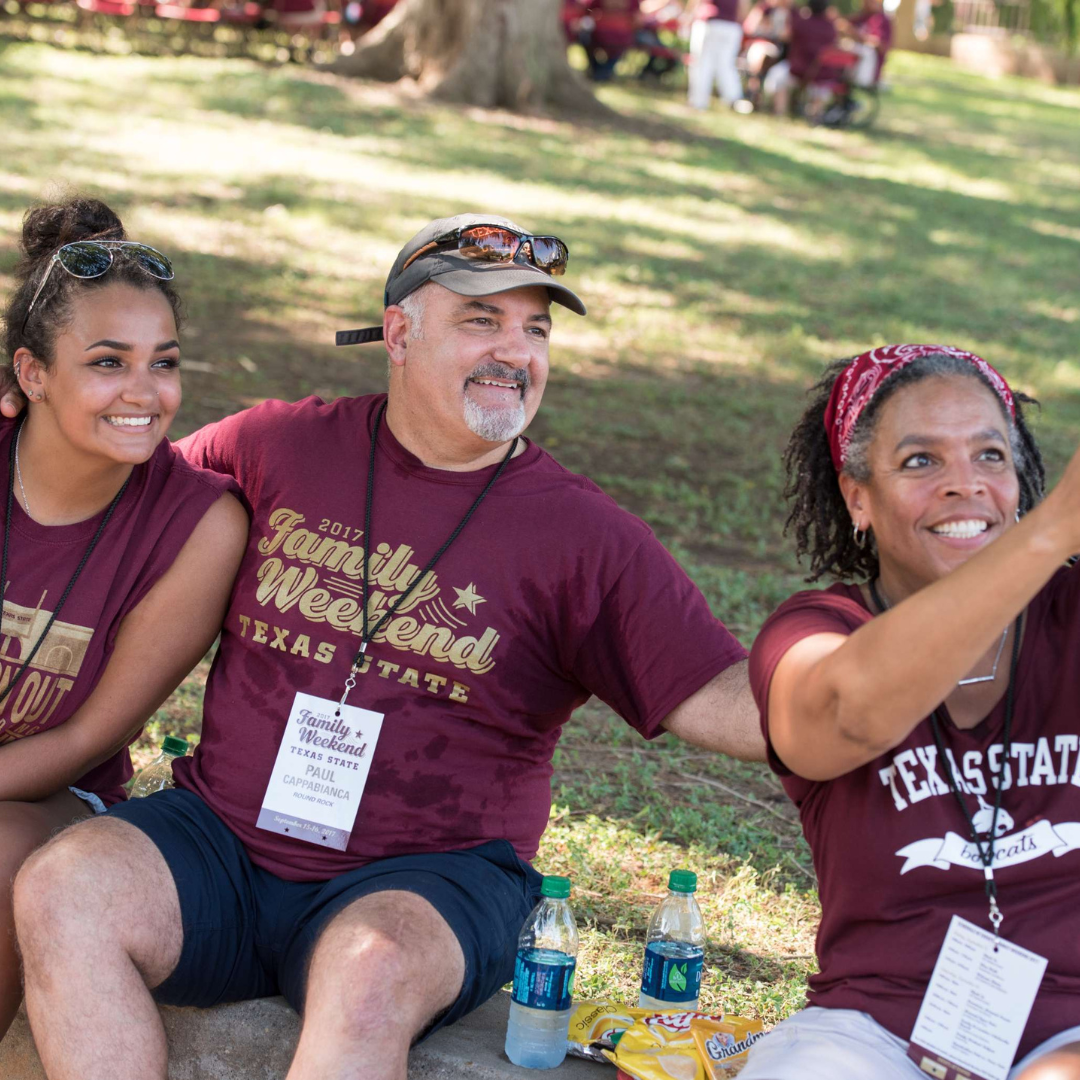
x=993, y=671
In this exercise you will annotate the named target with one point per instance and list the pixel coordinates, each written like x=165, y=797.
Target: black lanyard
x=74, y=577
x=366, y=636
x=985, y=850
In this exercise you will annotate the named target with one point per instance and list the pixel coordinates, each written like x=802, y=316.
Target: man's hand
x=721, y=716
x=12, y=401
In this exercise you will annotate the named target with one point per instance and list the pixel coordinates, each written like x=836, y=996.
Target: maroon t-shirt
x=890, y=843
x=876, y=24
x=727, y=10
x=164, y=501
x=616, y=23
x=550, y=594
x=809, y=35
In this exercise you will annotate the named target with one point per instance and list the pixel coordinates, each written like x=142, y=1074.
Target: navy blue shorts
x=250, y=934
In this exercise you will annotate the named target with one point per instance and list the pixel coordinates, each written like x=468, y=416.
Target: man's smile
x=496, y=382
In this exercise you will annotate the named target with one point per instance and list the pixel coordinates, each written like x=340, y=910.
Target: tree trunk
x=493, y=53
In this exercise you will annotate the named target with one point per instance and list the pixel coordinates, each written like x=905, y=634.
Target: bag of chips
x=595, y=1026
x=723, y=1042
x=660, y=1046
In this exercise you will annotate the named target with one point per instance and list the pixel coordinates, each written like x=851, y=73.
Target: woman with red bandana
x=921, y=713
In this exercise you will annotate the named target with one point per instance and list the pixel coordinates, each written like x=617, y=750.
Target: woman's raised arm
x=837, y=702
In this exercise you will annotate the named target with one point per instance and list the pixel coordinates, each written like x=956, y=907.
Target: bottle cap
x=682, y=881
x=174, y=745
x=558, y=888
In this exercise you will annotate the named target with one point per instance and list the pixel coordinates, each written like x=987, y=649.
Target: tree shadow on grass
x=330, y=105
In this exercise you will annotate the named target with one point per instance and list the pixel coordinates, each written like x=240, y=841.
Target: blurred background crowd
x=823, y=60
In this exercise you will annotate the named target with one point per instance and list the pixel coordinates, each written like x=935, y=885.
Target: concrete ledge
x=255, y=1040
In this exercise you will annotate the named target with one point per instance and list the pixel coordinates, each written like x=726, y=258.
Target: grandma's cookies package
x=723, y=1042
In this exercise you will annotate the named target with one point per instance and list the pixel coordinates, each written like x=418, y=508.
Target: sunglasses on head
x=92, y=258
x=498, y=244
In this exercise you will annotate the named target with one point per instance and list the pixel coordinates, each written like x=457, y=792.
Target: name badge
x=320, y=773
x=976, y=1006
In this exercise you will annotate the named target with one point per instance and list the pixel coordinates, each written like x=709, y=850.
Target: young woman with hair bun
x=921, y=712
x=117, y=556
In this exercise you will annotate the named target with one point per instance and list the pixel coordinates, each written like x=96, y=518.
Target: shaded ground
x=723, y=263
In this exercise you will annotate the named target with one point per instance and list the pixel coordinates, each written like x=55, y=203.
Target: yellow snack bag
x=723, y=1042
x=592, y=1024
x=660, y=1046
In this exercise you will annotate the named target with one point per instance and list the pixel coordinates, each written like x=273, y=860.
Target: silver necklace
x=885, y=605
x=18, y=473
x=993, y=671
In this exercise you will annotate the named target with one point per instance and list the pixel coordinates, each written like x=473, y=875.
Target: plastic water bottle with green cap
x=543, y=980
x=674, y=948
x=157, y=776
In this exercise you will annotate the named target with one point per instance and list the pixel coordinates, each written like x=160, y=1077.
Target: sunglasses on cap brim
x=92, y=258
x=497, y=244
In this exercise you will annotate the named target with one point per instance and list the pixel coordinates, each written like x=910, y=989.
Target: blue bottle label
x=539, y=984
x=671, y=978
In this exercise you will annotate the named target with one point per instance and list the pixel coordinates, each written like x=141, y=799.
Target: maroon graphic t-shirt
x=891, y=846
x=164, y=501
x=550, y=594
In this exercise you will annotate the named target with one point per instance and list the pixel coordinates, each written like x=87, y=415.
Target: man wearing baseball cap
x=425, y=598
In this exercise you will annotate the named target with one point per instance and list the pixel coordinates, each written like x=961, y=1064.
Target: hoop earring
x=1018, y=516
x=18, y=364
x=859, y=537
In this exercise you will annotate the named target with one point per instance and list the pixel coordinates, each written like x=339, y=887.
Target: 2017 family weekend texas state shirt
x=890, y=844
x=550, y=594
x=164, y=501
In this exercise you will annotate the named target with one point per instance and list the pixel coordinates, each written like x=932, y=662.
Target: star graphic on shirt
x=468, y=598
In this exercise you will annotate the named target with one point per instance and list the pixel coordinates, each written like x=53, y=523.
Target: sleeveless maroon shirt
x=164, y=501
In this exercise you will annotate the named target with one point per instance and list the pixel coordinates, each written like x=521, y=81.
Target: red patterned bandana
x=857, y=384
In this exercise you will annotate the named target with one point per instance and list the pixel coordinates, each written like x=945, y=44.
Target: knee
x=374, y=964
x=19, y=835
x=373, y=976
x=1060, y=1065
x=53, y=885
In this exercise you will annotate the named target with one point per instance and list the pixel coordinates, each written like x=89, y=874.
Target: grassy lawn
x=724, y=260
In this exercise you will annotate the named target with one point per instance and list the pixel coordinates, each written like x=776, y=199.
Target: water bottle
x=157, y=776
x=674, y=948
x=543, y=980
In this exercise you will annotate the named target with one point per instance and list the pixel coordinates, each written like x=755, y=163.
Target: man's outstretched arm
x=721, y=716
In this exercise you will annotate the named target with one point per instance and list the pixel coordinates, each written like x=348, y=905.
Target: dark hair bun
x=46, y=228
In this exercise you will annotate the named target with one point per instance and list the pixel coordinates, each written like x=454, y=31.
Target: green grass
x=724, y=260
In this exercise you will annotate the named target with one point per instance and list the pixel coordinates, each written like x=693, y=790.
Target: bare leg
x=23, y=827
x=1063, y=1064
x=98, y=921
x=382, y=970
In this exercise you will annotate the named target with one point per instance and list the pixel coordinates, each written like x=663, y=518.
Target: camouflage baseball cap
x=461, y=275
